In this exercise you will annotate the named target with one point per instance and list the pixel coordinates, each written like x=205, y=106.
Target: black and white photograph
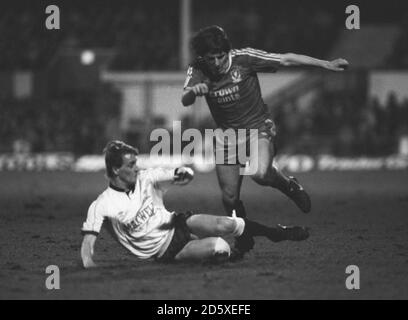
x=204, y=151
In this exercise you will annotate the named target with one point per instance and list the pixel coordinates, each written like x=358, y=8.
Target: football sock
x=239, y=225
x=256, y=229
x=240, y=209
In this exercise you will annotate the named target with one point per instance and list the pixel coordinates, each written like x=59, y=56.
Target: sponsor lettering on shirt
x=141, y=217
x=226, y=95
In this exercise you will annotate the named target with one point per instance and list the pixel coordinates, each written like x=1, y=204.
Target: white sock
x=239, y=225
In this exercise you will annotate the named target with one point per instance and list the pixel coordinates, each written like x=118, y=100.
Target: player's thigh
x=261, y=159
x=229, y=179
x=205, y=225
x=202, y=249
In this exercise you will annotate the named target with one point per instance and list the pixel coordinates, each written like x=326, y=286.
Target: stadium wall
x=158, y=94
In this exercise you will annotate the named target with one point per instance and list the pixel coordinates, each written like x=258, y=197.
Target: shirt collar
x=121, y=189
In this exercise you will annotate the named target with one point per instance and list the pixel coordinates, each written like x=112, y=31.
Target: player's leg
x=230, y=181
x=204, y=225
x=268, y=175
x=214, y=247
x=205, y=249
x=184, y=245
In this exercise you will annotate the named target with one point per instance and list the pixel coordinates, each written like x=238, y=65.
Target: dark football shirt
x=235, y=99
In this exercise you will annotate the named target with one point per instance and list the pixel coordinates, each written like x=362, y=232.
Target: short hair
x=114, y=151
x=212, y=39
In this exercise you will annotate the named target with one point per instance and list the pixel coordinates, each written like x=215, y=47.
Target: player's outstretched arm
x=87, y=251
x=190, y=93
x=292, y=59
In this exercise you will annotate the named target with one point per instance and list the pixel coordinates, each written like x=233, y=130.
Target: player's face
x=128, y=171
x=217, y=62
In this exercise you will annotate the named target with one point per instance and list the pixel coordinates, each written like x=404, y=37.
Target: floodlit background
x=117, y=71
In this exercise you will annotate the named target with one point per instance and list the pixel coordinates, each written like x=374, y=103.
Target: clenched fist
x=200, y=89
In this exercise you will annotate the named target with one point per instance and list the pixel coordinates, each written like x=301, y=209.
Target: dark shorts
x=181, y=237
x=237, y=150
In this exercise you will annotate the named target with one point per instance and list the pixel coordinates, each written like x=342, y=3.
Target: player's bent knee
x=225, y=226
x=203, y=249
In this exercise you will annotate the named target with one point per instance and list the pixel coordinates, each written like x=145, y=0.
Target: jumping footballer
x=228, y=80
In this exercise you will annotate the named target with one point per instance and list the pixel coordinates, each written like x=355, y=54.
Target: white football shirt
x=139, y=219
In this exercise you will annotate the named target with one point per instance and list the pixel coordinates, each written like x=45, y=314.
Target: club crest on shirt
x=236, y=75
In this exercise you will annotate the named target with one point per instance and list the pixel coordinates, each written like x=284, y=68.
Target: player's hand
x=183, y=175
x=337, y=65
x=200, y=89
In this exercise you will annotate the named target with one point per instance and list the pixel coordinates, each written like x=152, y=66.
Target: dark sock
x=240, y=209
x=255, y=228
x=245, y=241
